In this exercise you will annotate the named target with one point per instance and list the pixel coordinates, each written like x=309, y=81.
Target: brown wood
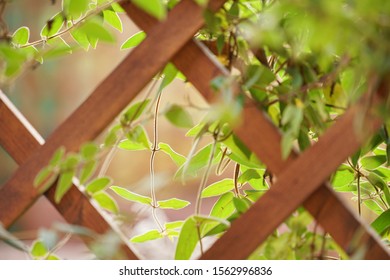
x=293, y=187
x=264, y=139
x=105, y=103
x=20, y=140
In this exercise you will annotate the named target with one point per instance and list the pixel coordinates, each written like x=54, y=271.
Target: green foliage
x=303, y=63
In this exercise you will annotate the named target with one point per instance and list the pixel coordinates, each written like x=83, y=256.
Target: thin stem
x=152, y=158
x=236, y=174
x=111, y=153
x=359, y=195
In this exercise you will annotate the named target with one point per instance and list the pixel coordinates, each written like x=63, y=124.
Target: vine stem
x=152, y=158
x=202, y=185
x=111, y=153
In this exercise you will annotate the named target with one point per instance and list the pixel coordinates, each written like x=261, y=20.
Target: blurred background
x=47, y=95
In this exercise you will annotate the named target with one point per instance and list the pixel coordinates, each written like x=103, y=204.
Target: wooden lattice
x=301, y=179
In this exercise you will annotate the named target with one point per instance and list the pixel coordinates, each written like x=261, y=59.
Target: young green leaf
x=87, y=171
x=147, y=236
x=53, y=25
x=21, y=36
x=179, y=117
x=89, y=150
x=138, y=135
x=188, y=238
x=382, y=223
x=254, y=177
x=112, y=18
x=253, y=195
x=131, y=146
x=64, y=184
x=38, y=249
x=98, y=185
x=223, y=208
x=174, y=225
x=117, y=8
x=240, y=153
x=173, y=203
x=134, y=112
x=80, y=38
x=177, y=158
x=169, y=73
x=45, y=177
x=155, y=8
x=218, y=188
x=134, y=40
x=95, y=30
x=373, y=162
x=131, y=196
x=189, y=234
x=106, y=202
x=241, y=204
x=75, y=8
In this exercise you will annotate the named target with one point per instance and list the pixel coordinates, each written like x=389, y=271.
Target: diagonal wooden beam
x=105, y=103
x=295, y=185
x=264, y=139
x=20, y=140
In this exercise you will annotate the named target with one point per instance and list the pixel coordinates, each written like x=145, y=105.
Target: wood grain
x=20, y=140
x=105, y=103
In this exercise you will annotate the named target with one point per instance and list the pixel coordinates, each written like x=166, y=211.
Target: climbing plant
x=303, y=63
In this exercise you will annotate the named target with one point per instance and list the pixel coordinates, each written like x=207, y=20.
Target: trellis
x=301, y=179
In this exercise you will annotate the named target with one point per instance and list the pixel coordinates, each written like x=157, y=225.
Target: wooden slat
x=105, y=103
x=264, y=139
x=295, y=184
x=20, y=140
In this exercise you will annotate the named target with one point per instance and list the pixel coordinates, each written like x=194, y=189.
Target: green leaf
x=134, y=40
x=64, y=184
x=131, y=196
x=80, y=38
x=174, y=225
x=58, y=48
x=21, y=36
x=223, y=208
x=173, y=203
x=240, y=153
x=53, y=25
x=98, y=184
x=75, y=8
x=218, y=188
x=253, y=195
x=382, y=223
x=113, y=19
x=134, y=112
x=202, y=3
x=138, y=135
x=342, y=178
x=38, y=249
x=48, y=237
x=241, y=204
x=155, y=8
x=131, y=146
x=189, y=236
x=179, y=117
x=259, y=75
x=255, y=178
x=112, y=136
x=373, y=162
x=117, y=8
x=57, y=157
x=87, y=171
x=176, y=157
x=45, y=176
x=197, y=130
x=106, y=202
x=93, y=29
x=89, y=150
x=169, y=72
x=147, y=236
x=197, y=162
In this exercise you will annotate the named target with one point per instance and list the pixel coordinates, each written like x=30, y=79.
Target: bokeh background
x=48, y=94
